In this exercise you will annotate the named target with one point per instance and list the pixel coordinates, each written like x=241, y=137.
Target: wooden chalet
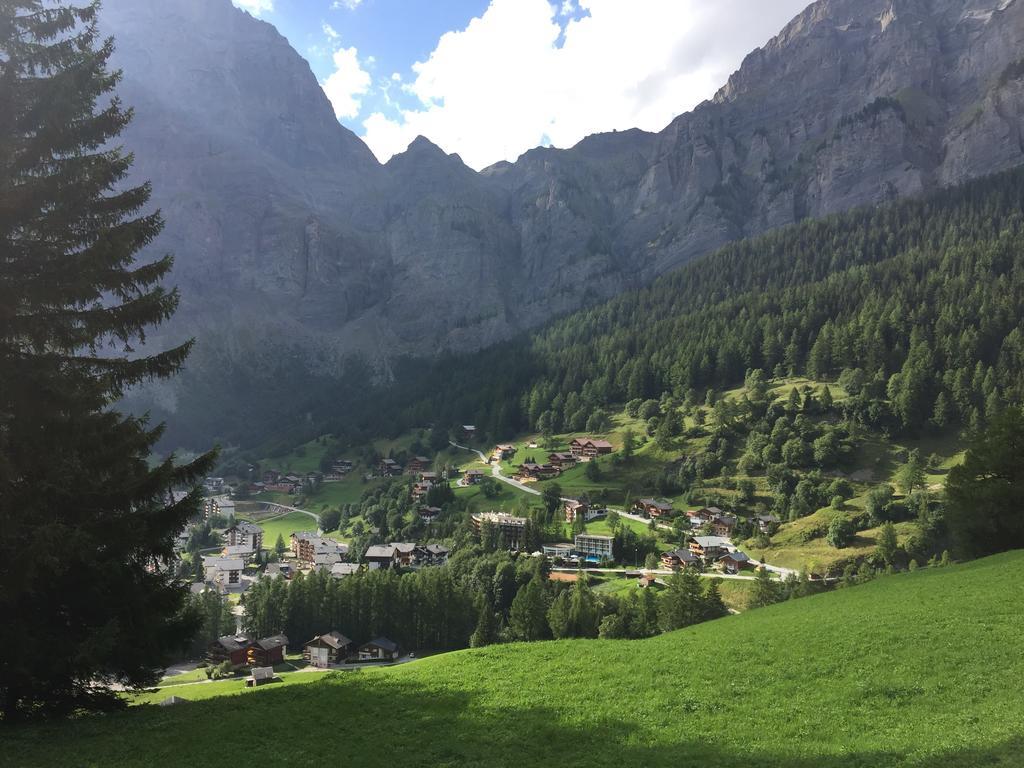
x=474, y=476
x=388, y=468
x=734, y=562
x=561, y=461
x=587, y=448
x=322, y=651
x=379, y=649
x=380, y=556
x=677, y=559
x=531, y=471
x=708, y=548
x=504, y=451
x=417, y=464
x=428, y=514
x=653, y=508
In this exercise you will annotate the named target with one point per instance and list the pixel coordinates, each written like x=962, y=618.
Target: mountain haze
x=291, y=238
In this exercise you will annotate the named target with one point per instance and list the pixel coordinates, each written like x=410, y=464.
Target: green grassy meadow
x=885, y=674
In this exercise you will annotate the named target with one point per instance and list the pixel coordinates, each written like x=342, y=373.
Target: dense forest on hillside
x=917, y=305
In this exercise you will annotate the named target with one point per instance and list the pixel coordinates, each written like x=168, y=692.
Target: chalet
x=431, y=478
x=245, y=534
x=723, y=525
x=653, y=508
x=240, y=650
x=420, y=491
x=504, y=451
x=380, y=649
x=260, y=675
x=707, y=514
x=561, y=461
x=473, y=476
x=428, y=514
x=341, y=570
x=213, y=485
x=404, y=552
x=417, y=464
x=431, y=554
x=468, y=431
x=734, y=562
x=510, y=527
x=267, y=651
x=322, y=651
x=271, y=476
x=678, y=558
x=293, y=479
x=531, y=471
x=587, y=448
x=388, y=468
x=765, y=523
x=381, y=556
x=225, y=572
x=708, y=548
x=593, y=548
x=239, y=551
x=229, y=648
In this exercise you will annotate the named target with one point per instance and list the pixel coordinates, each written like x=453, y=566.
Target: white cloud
x=330, y=31
x=255, y=7
x=347, y=84
x=568, y=8
x=347, y=4
x=518, y=73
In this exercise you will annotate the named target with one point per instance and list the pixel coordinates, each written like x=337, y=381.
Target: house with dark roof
x=229, y=648
x=473, y=477
x=380, y=556
x=322, y=651
x=765, y=522
x=431, y=554
x=389, y=468
x=653, y=507
x=734, y=562
x=678, y=558
x=379, y=649
x=267, y=651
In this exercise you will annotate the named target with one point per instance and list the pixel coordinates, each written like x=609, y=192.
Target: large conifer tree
x=86, y=524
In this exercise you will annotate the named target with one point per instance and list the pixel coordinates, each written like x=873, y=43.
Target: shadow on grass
x=369, y=721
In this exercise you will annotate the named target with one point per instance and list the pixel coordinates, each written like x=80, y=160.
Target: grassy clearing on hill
x=885, y=674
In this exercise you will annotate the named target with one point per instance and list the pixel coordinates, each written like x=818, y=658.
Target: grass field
x=919, y=670
x=293, y=521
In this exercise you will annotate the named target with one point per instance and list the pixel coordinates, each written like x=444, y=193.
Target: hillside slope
x=920, y=669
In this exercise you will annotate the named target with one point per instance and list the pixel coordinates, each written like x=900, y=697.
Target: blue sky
x=490, y=79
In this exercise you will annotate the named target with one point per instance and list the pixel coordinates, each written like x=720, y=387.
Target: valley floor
x=916, y=670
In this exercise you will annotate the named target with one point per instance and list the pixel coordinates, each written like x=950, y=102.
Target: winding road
x=497, y=475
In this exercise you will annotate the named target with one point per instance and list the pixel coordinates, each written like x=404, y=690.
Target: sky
x=490, y=79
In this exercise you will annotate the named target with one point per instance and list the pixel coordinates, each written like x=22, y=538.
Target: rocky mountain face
x=291, y=239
